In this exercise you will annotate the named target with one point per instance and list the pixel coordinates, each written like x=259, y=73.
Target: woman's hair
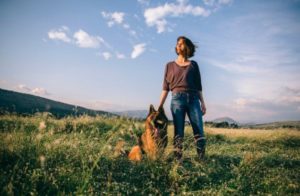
x=190, y=47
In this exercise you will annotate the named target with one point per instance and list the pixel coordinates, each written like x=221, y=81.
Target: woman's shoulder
x=193, y=62
x=170, y=64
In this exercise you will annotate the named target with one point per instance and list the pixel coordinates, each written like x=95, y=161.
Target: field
x=42, y=155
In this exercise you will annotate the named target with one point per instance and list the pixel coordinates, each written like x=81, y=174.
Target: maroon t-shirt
x=182, y=78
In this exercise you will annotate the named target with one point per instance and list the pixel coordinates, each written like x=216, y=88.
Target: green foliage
x=78, y=155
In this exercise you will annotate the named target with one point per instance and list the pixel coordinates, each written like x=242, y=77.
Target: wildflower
x=122, y=132
x=42, y=159
x=39, y=136
x=10, y=147
x=109, y=147
x=57, y=141
x=42, y=125
x=9, y=188
x=47, y=146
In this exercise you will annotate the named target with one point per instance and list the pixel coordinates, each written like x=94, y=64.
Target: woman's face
x=180, y=47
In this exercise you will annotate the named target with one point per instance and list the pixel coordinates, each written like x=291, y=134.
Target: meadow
x=41, y=155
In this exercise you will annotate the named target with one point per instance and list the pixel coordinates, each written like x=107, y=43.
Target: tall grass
x=43, y=155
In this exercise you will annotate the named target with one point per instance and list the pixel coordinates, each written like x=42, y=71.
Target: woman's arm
x=163, y=97
x=203, y=107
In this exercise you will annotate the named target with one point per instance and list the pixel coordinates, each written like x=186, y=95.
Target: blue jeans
x=187, y=103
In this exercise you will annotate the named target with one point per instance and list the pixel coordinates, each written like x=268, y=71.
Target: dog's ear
x=162, y=113
x=151, y=109
x=161, y=109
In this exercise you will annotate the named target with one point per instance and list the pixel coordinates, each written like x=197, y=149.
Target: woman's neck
x=182, y=60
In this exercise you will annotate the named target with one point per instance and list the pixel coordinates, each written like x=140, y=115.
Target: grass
x=43, y=155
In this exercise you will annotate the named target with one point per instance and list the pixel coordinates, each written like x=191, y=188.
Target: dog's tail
x=136, y=151
x=135, y=154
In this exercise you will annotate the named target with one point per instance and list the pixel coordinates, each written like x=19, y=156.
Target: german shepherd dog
x=155, y=139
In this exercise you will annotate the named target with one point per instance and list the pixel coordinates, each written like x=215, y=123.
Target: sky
x=111, y=55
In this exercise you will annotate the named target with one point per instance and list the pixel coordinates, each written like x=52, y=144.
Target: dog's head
x=157, y=119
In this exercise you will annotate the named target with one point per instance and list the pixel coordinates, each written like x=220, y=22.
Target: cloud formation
x=106, y=55
x=81, y=38
x=120, y=56
x=118, y=18
x=84, y=40
x=255, y=110
x=40, y=91
x=138, y=50
x=59, y=34
x=113, y=18
x=144, y=2
x=23, y=87
x=37, y=90
x=157, y=16
x=217, y=2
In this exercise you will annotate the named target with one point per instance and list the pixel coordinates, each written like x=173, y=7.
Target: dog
x=155, y=138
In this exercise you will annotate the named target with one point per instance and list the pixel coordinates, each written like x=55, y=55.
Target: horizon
x=111, y=56
x=169, y=117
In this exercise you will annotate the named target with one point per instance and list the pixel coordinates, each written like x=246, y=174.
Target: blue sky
x=111, y=55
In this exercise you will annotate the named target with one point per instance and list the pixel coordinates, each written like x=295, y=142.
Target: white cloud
x=59, y=34
x=106, y=55
x=209, y=2
x=259, y=110
x=84, y=40
x=118, y=18
x=156, y=16
x=113, y=18
x=120, y=56
x=37, y=90
x=23, y=87
x=261, y=66
x=217, y=3
x=289, y=95
x=132, y=32
x=126, y=26
x=81, y=38
x=138, y=50
x=236, y=67
x=145, y=2
x=225, y=2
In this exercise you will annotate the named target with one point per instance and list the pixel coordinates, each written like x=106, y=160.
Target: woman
x=182, y=77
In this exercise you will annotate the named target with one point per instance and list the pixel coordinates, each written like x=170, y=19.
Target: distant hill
x=224, y=122
x=139, y=114
x=225, y=119
x=275, y=125
x=21, y=103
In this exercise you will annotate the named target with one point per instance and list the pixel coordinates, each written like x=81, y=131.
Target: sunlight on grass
x=43, y=155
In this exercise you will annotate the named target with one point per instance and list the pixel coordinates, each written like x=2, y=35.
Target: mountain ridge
x=225, y=119
x=139, y=114
x=23, y=103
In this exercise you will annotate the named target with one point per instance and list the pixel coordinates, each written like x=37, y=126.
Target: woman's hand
x=203, y=109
